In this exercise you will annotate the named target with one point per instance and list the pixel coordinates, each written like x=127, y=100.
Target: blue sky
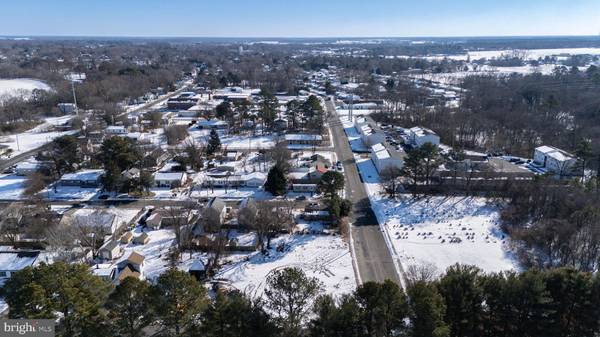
x=300, y=18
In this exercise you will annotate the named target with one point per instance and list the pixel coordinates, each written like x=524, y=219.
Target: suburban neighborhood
x=185, y=186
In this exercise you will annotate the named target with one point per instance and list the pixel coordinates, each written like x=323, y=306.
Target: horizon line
x=300, y=37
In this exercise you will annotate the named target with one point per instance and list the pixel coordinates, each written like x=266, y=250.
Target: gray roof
x=217, y=204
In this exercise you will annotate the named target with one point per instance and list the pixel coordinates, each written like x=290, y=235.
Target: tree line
x=461, y=302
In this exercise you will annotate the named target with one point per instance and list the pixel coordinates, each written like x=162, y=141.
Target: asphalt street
x=372, y=256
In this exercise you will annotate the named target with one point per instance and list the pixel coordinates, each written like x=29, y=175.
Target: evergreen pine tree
x=276, y=181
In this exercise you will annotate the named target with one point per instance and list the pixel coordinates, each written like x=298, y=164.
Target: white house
x=67, y=108
x=253, y=180
x=256, y=179
x=371, y=136
x=115, y=130
x=211, y=124
x=11, y=261
x=102, y=219
x=83, y=178
x=384, y=158
x=555, y=160
x=418, y=136
x=170, y=179
x=105, y=271
x=303, y=139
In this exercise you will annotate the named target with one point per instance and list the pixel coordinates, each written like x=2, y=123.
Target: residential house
x=170, y=179
x=251, y=180
x=155, y=159
x=212, y=124
x=135, y=261
x=183, y=101
x=105, y=221
x=215, y=210
x=67, y=108
x=105, y=271
x=296, y=139
x=154, y=220
x=386, y=157
x=116, y=130
x=247, y=212
x=132, y=173
x=419, y=136
x=11, y=261
x=110, y=250
x=555, y=160
x=317, y=215
x=83, y=179
x=233, y=94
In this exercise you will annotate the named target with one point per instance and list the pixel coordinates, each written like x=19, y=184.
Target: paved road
x=4, y=164
x=157, y=101
x=371, y=253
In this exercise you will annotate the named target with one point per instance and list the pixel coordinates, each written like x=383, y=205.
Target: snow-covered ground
x=156, y=251
x=20, y=87
x=11, y=187
x=457, y=77
x=527, y=54
x=70, y=193
x=324, y=257
x=37, y=136
x=439, y=231
x=230, y=193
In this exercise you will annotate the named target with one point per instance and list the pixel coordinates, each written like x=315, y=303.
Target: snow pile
x=439, y=231
x=324, y=257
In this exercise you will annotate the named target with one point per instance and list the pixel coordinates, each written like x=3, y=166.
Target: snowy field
x=324, y=257
x=457, y=77
x=439, y=231
x=527, y=54
x=11, y=187
x=20, y=87
x=36, y=137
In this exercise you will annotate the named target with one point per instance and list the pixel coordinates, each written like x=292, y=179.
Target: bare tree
x=390, y=177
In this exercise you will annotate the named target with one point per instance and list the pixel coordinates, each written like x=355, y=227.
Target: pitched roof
x=128, y=272
x=136, y=258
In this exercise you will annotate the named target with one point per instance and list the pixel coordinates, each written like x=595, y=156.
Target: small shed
x=142, y=239
x=198, y=270
x=126, y=238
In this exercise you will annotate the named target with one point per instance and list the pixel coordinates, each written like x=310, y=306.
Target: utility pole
x=74, y=96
